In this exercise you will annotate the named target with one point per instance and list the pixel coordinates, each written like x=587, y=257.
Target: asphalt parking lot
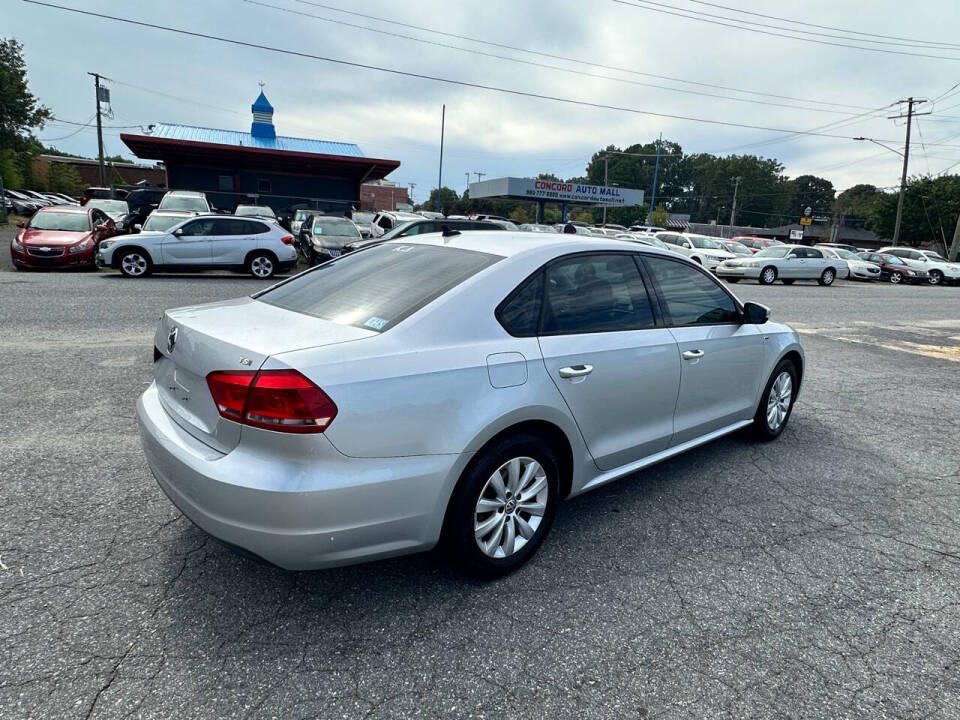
x=816, y=576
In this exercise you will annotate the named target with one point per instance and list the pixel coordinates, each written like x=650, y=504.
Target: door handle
x=576, y=371
x=692, y=354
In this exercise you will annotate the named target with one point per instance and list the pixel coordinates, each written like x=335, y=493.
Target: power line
x=826, y=27
x=694, y=15
x=83, y=126
x=115, y=127
x=433, y=78
x=579, y=61
x=168, y=95
x=537, y=64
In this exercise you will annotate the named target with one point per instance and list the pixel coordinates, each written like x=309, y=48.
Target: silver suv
x=188, y=200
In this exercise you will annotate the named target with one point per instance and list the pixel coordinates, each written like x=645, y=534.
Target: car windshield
x=67, y=222
x=364, y=218
x=738, y=248
x=773, y=243
x=378, y=287
x=845, y=254
x=704, y=243
x=337, y=228
x=109, y=206
x=400, y=230
x=773, y=252
x=161, y=223
x=301, y=215
x=893, y=260
x=184, y=202
x=254, y=210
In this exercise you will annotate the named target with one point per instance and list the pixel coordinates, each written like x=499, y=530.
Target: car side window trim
x=651, y=279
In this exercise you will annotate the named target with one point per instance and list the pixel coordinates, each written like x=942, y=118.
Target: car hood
x=52, y=237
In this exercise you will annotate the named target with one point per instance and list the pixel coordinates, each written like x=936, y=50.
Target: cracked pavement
x=815, y=576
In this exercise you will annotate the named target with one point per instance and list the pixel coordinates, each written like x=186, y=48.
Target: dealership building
x=259, y=166
x=563, y=194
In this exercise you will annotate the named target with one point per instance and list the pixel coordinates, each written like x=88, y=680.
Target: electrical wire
x=826, y=27
x=83, y=126
x=693, y=15
x=578, y=61
x=556, y=68
x=423, y=76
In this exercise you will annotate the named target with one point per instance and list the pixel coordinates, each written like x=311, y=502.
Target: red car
x=756, y=244
x=60, y=236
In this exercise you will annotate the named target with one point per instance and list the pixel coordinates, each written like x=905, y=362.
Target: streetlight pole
x=103, y=171
x=443, y=122
x=606, y=169
x=656, y=170
x=733, y=209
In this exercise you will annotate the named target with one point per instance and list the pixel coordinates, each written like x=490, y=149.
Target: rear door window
x=595, y=293
x=377, y=288
x=204, y=226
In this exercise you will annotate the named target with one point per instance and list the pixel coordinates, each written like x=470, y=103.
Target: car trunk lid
x=233, y=335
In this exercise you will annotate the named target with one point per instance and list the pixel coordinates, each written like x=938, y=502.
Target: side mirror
x=178, y=232
x=137, y=227
x=21, y=224
x=755, y=313
x=687, y=245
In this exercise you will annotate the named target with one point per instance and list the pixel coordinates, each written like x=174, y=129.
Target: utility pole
x=468, y=180
x=480, y=175
x=733, y=209
x=656, y=169
x=955, y=245
x=410, y=197
x=97, y=91
x=443, y=122
x=906, y=158
x=606, y=170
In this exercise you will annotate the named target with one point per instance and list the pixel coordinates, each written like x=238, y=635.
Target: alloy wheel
x=828, y=277
x=778, y=401
x=895, y=277
x=769, y=275
x=261, y=266
x=936, y=277
x=510, y=508
x=134, y=264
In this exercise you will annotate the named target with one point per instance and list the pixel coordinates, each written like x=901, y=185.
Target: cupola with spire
x=262, y=126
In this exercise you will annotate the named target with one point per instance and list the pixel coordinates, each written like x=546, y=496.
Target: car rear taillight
x=281, y=400
x=287, y=239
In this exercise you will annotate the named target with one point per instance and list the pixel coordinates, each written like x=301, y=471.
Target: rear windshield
x=378, y=287
x=183, y=202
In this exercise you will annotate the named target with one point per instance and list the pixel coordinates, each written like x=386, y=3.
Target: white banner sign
x=554, y=191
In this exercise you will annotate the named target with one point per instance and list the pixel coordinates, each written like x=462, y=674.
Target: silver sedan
x=450, y=389
x=787, y=263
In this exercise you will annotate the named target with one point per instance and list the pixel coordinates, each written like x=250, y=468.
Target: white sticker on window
x=376, y=323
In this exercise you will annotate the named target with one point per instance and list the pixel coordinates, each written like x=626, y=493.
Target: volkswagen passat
x=450, y=388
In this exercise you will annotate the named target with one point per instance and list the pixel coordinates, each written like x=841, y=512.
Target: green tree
x=20, y=115
x=930, y=209
x=450, y=201
x=858, y=201
x=659, y=216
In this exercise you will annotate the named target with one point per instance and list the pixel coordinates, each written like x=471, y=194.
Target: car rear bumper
x=306, y=511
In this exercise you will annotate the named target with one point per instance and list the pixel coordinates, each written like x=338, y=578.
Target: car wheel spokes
x=510, y=507
x=134, y=264
x=778, y=401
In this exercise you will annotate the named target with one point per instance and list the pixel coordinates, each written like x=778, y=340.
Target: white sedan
x=788, y=263
x=859, y=269
x=203, y=242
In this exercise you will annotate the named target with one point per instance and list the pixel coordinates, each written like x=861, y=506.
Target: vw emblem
x=172, y=339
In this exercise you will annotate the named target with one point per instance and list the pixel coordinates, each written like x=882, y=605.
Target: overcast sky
x=397, y=117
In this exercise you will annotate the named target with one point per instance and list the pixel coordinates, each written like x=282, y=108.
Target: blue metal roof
x=261, y=104
x=245, y=139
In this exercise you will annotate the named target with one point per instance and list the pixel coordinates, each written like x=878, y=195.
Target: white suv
x=188, y=200
x=939, y=270
x=705, y=250
x=204, y=242
x=384, y=222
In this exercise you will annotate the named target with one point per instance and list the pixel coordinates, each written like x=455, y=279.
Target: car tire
x=827, y=277
x=486, y=512
x=788, y=282
x=896, y=277
x=768, y=275
x=261, y=265
x=776, y=402
x=733, y=281
x=135, y=264
x=936, y=277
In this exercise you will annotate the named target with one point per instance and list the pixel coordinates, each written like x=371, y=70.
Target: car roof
x=193, y=193
x=509, y=243
x=174, y=213
x=76, y=209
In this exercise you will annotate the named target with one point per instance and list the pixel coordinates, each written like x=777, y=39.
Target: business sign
x=796, y=234
x=554, y=191
x=806, y=221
